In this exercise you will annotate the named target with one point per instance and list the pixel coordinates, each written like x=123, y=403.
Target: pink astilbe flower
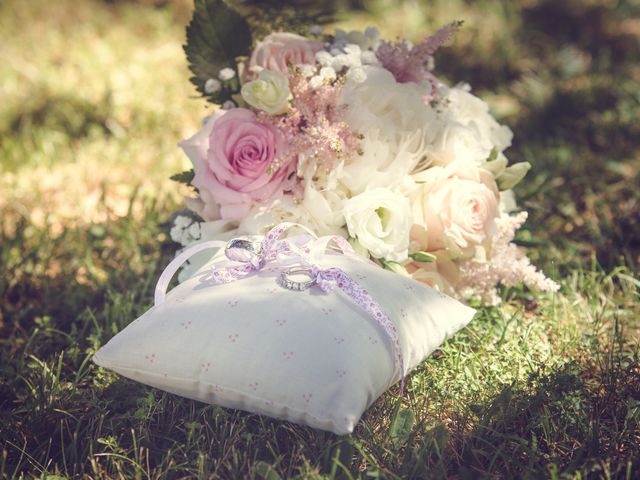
x=414, y=63
x=507, y=266
x=314, y=126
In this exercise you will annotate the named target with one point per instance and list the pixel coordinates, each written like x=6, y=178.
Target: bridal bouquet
x=350, y=134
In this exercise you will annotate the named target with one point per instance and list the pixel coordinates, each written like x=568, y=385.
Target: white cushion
x=308, y=357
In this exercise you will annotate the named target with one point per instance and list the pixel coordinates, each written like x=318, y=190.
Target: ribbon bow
x=272, y=249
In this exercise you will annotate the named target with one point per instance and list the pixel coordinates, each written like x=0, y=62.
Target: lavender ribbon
x=327, y=279
x=330, y=278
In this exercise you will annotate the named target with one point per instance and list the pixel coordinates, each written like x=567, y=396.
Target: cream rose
x=380, y=220
x=454, y=208
x=269, y=92
x=280, y=49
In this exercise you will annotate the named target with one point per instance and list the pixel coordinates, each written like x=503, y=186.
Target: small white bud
x=324, y=58
x=212, y=86
x=226, y=74
x=353, y=60
x=339, y=62
x=307, y=70
x=369, y=58
x=357, y=74
x=228, y=105
x=328, y=73
x=352, y=48
x=316, y=82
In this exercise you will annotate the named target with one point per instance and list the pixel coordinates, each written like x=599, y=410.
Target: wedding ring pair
x=246, y=250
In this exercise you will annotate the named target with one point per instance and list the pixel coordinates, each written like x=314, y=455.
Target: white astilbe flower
x=508, y=266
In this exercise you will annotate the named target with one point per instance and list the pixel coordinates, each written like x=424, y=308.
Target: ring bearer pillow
x=238, y=334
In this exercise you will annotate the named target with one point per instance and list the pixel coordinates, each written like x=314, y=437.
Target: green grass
x=94, y=97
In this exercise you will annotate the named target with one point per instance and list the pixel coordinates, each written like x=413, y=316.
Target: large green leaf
x=216, y=36
x=401, y=427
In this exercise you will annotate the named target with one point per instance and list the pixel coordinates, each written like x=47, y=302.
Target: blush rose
x=280, y=49
x=454, y=209
x=238, y=162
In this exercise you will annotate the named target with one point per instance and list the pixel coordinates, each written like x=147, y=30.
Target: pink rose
x=238, y=162
x=454, y=209
x=278, y=50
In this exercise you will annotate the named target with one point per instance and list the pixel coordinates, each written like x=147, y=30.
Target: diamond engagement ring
x=286, y=279
x=242, y=250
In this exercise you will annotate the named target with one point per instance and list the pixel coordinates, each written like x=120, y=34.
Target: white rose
x=269, y=92
x=380, y=220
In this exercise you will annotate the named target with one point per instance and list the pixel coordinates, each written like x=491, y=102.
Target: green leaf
x=512, y=175
x=185, y=177
x=395, y=267
x=401, y=427
x=493, y=155
x=216, y=36
x=423, y=257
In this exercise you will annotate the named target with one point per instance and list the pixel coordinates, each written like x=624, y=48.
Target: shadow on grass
x=572, y=420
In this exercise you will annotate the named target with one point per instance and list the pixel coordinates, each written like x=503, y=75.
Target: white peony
x=396, y=124
x=393, y=110
x=379, y=165
x=321, y=211
x=380, y=220
x=458, y=142
x=269, y=92
x=468, y=109
x=466, y=130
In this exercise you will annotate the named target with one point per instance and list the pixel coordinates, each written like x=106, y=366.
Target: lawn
x=94, y=96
